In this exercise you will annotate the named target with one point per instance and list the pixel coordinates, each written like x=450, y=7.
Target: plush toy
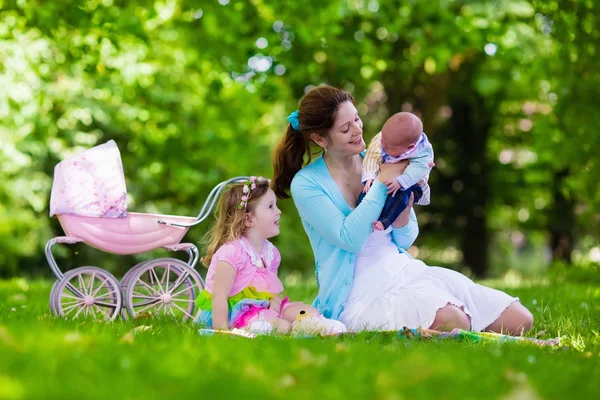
x=311, y=325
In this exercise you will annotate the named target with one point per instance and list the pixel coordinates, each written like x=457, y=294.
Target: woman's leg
x=450, y=317
x=490, y=309
x=515, y=320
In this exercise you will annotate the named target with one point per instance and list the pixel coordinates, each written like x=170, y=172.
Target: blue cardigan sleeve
x=318, y=210
x=405, y=236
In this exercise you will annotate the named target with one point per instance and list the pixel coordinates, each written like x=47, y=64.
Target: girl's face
x=345, y=137
x=264, y=219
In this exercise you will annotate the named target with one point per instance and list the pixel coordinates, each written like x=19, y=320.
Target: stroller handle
x=209, y=204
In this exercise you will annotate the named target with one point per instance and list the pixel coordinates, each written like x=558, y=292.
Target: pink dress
x=255, y=283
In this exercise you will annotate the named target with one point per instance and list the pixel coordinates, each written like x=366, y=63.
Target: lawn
x=45, y=357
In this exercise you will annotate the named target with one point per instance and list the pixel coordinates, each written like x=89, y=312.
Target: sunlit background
x=195, y=92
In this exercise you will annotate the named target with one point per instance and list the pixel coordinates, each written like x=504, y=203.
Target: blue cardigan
x=337, y=233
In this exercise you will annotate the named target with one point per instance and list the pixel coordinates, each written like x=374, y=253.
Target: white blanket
x=90, y=184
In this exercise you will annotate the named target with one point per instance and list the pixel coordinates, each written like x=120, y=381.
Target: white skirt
x=391, y=291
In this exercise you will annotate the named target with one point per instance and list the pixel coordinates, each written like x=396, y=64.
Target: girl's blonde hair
x=230, y=217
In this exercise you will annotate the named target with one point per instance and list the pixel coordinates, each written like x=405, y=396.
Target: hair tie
x=293, y=119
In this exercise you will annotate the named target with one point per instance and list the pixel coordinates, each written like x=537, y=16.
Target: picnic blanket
x=429, y=334
x=477, y=337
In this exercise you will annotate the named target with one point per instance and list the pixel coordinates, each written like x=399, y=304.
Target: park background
x=196, y=92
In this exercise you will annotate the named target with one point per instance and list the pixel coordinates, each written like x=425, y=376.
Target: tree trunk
x=471, y=123
x=561, y=221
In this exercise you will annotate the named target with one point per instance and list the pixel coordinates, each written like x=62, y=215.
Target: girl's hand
x=391, y=171
x=275, y=304
x=404, y=217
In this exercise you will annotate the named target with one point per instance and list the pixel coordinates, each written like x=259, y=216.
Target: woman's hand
x=391, y=171
x=275, y=304
x=404, y=217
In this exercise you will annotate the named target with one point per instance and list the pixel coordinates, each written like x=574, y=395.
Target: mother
x=366, y=278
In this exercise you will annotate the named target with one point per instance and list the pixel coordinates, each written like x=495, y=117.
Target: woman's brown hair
x=316, y=115
x=230, y=217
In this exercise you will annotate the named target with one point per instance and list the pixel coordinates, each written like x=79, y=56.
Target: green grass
x=45, y=357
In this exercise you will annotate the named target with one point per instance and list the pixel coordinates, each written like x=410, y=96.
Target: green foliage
x=197, y=92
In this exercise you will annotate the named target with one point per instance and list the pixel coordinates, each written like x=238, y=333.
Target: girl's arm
x=320, y=212
x=224, y=277
x=275, y=302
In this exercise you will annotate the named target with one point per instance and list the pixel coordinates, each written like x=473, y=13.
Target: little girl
x=242, y=286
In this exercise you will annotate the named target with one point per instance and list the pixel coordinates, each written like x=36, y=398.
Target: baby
x=401, y=138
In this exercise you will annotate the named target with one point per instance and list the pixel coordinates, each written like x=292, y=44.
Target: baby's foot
x=378, y=226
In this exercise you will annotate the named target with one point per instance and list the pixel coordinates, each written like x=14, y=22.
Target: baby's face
x=400, y=133
x=394, y=141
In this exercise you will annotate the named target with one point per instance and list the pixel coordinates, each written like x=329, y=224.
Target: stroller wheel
x=53, y=291
x=166, y=286
x=88, y=291
x=125, y=281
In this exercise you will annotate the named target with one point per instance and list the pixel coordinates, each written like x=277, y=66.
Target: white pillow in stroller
x=90, y=184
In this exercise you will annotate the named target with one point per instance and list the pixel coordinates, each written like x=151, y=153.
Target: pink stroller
x=89, y=200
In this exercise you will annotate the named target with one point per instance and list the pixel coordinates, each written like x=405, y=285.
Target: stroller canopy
x=90, y=184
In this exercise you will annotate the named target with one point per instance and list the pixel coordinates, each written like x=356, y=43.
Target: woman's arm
x=405, y=227
x=224, y=278
x=320, y=212
x=405, y=236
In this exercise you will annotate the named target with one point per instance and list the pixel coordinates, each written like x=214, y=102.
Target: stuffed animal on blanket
x=311, y=325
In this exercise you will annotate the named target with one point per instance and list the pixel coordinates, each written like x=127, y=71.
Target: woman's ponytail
x=315, y=116
x=287, y=160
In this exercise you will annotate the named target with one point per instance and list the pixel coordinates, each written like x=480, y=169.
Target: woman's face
x=345, y=137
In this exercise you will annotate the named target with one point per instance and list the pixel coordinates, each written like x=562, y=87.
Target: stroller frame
x=169, y=285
